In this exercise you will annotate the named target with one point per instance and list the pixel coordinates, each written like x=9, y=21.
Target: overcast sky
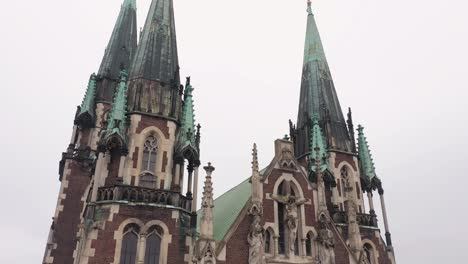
x=401, y=65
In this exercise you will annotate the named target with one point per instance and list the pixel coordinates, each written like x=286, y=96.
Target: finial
x=123, y=75
x=315, y=118
x=360, y=130
x=309, y=7
x=255, y=158
x=209, y=169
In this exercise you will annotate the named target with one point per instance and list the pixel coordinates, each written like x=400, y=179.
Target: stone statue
x=291, y=220
x=256, y=241
x=327, y=242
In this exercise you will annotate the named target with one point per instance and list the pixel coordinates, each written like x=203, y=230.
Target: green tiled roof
x=227, y=207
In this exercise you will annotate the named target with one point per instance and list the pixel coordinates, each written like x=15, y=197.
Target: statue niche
x=289, y=217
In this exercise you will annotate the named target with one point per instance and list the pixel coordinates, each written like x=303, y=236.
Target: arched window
x=369, y=253
x=289, y=220
x=129, y=244
x=344, y=180
x=309, y=244
x=153, y=246
x=269, y=241
x=282, y=190
x=150, y=151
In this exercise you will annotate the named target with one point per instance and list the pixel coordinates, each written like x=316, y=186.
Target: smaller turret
x=86, y=116
x=115, y=133
x=317, y=142
x=368, y=175
x=205, y=246
x=188, y=136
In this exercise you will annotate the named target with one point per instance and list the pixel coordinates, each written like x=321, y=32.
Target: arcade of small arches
x=139, y=243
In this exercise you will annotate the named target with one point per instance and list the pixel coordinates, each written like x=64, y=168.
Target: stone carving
x=256, y=241
x=291, y=218
x=287, y=159
x=327, y=242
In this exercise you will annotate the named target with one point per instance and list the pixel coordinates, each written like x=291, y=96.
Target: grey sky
x=401, y=66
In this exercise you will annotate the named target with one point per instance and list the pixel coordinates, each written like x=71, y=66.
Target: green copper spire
x=116, y=122
x=130, y=3
x=318, y=146
x=156, y=58
x=119, y=52
x=365, y=157
x=318, y=96
x=85, y=117
x=187, y=134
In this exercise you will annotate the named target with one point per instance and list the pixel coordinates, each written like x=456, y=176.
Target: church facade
x=135, y=145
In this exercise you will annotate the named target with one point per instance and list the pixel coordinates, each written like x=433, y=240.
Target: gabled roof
x=227, y=208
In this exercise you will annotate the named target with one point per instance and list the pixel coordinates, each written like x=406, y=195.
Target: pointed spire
x=187, y=137
x=122, y=44
x=117, y=119
x=318, y=95
x=130, y=3
x=206, y=225
x=85, y=117
x=257, y=188
x=317, y=146
x=365, y=156
x=156, y=58
x=309, y=7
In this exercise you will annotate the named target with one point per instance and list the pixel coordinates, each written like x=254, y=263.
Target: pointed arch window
x=369, y=253
x=153, y=246
x=344, y=181
x=150, y=151
x=269, y=241
x=129, y=244
x=289, y=218
x=309, y=244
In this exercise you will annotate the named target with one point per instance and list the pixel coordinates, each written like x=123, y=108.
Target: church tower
x=122, y=197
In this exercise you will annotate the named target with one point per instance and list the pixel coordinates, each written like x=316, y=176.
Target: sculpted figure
x=255, y=239
x=291, y=205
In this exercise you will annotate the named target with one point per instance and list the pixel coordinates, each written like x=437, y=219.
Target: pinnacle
x=255, y=158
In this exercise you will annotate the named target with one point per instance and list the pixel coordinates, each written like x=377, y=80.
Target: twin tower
x=129, y=176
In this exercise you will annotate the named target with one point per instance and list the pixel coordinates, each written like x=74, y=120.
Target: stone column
x=371, y=202
x=275, y=246
x=98, y=172
x=72, y=144
x=190, y=169
x=384, y=213
x=195, y=186
x=141, y=249
x=123, y=158
x=179, y=164
x=304, y=249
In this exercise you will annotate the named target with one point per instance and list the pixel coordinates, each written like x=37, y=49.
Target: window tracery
x=150, y=149
x=153, y=246
x=129, y=244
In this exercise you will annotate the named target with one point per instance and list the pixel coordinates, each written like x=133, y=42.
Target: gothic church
x=135, y=142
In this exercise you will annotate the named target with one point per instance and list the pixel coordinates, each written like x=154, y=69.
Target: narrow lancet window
x=153, y=247
x=150, y=150
x=129, y=245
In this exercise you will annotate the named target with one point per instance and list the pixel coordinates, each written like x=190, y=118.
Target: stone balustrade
x=136, y=194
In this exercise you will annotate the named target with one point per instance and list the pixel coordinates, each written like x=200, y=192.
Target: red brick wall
x=340, y=157
x=105, y=245
x=66, y=224
x=237, y=248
